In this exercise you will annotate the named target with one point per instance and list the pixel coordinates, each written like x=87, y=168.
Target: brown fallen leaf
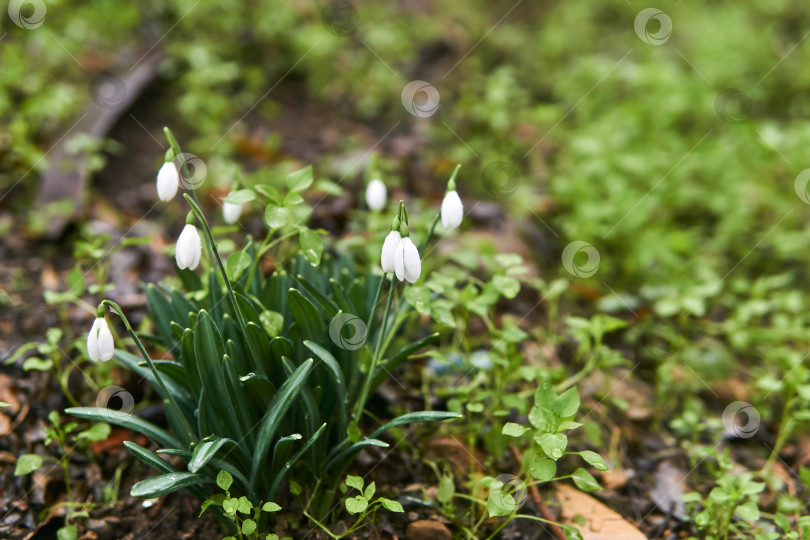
x=601, y=523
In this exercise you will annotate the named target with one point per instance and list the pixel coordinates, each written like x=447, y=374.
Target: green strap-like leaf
x=356, y=447
x=167, y=483
x=129, y=421
x=275, y=412
x=414, y=417
x=206, y=450
x=386, y=369
x=337, y=378
x=290, y=462
x=149, y=457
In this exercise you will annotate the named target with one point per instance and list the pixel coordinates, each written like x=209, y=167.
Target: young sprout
x=390, y=246
x=189, y=245
x=407, y=264
x=452, y=207
x=376, y=194
x=168, y=179
x=100, y=345
x=231, y=212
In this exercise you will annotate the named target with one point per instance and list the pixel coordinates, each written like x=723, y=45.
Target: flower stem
x=370, y=375
x=231, y=295
x=118, y=311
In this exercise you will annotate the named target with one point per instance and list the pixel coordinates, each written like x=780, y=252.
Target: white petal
x=399, y=260
x=168, y=180
x=452, y=210
x=189, y=248
x=106, y=347
x=411, y=260
x=389, y=246
x=376, y=194
x=92, y=342
x=231, y=212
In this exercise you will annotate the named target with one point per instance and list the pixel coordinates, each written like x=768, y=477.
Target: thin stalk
x=231, y=295
x=117, y=310
x=430, y=234
x=372, y=368
x=175, y=146
x=374, y=304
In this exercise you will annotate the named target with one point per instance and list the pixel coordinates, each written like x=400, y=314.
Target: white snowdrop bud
x=452, y=210
x=231, y=212
x=168, y=180
x=388, y=249
x=376, y=194
x=407, y=264
x=100, y=345
x=189, y=248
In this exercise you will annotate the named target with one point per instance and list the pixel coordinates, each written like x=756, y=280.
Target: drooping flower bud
x=376, y=194
x=231, y=212
x=407, y=264
x=189, y=248
x=100, y=346
x=452, y=210
x=168, y=180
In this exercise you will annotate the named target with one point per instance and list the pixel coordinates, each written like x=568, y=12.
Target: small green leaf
x=585, y=481
x=248, y=527
x=224, y=480
x=357, y=504
x=500, y=504
x=447, y=488
x=355, y=482
x=571, y=532
x=97, y=432
x=276, y=216
x=369, y=491
x=312, y=245
x=749, y=511
x=295, y=488
x=272, y=322
x=237, y=262
x=27, y=463
x=244, y=505
x=240, y=197
x=393, y=506
x=271, y=507
x=68, y=532
x=230, y=506
x=37, y=364
x=567, y=403
x=514, y=430
x=418, y=296
x=543, y=469
x=553, y=444
x=595, y=460
x=300, y=180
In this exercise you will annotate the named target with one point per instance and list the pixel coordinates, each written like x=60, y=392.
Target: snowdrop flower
x=231, y=212
x=407, y=264
x=376, y=194
x=100, y=345
x=189, y=248
x=452, y=210
x=168, y=180
x=389, y=247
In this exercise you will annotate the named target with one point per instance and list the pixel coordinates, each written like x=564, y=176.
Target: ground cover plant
x=437, y=271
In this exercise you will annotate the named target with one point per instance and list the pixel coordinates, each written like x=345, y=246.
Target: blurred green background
x=673, y=152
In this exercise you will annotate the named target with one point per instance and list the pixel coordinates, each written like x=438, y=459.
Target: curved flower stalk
x=376, y=194
x=168, y=179
x=189, y=246
x=100, y=345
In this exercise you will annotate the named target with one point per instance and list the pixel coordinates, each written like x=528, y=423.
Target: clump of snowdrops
x=267, y=377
